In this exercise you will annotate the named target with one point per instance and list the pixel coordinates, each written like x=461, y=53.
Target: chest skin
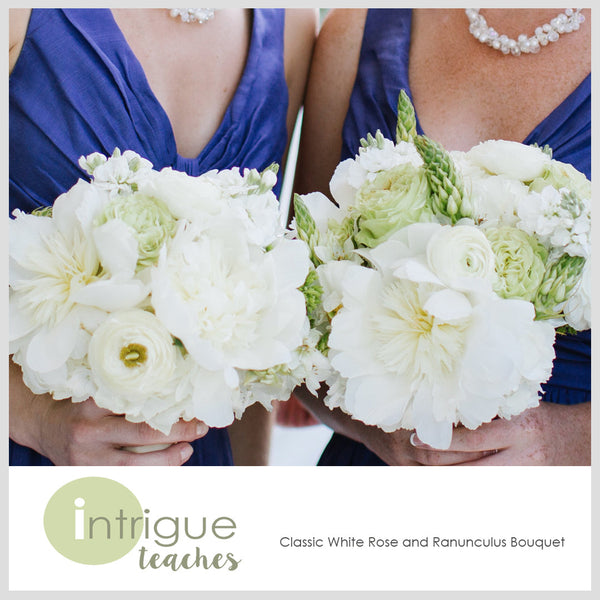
x=465, y=92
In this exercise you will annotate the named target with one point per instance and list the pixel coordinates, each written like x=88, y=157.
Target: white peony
x=233, y=305
x=60, y=286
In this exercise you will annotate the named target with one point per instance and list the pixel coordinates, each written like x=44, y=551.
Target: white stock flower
x=119, y=173
x=216, y=194
x=559, y=222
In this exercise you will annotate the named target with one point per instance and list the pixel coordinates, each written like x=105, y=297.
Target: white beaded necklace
x=193, y=15
x=565, y=22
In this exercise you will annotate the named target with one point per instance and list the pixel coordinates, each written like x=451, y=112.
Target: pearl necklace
x=565, y=22
x=193, y=15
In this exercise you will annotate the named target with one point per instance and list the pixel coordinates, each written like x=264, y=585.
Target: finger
x=174, y=455
x=91, y=410
x=496, y=435
x=188, y=431
x=440, y=458
x=126, y=433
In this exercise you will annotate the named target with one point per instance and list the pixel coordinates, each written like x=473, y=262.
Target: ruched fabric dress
x=77, y=88
x=382, y=73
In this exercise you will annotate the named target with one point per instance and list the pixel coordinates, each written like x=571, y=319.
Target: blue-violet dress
x=78, y=88
x=382, y=73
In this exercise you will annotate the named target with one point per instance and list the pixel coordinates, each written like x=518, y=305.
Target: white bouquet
x=161, y=295
x=444, y=277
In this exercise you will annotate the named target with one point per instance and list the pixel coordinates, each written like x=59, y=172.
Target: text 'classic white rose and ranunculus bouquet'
x=441, y=278
x=161, y=295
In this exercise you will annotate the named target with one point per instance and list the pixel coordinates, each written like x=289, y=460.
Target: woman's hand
x=81, y=433
x=550, y=434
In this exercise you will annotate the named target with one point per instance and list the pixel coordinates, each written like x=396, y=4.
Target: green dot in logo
x=93, y=520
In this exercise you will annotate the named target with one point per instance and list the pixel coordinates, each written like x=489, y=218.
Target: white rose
x=511, y=159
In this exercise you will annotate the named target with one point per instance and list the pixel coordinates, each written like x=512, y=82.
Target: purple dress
x=78, y=88
x=382, y=73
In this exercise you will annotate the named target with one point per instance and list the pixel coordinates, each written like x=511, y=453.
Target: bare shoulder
x=18, y=19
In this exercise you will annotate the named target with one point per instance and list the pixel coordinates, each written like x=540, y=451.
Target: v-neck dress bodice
x=382, y=72
x=78, y=88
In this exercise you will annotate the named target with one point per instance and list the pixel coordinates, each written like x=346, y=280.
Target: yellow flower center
x=133, y=355
x=412, y=342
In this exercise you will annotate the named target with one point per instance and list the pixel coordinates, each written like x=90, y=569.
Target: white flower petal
x=49, y=349
x=117, y=248
x=111, y=295
x=448, y=305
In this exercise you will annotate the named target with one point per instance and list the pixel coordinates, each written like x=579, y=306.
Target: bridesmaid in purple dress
x=464, y=92
x=193, y=96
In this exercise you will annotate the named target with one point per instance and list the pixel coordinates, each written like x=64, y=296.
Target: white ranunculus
x=578, y=309
x=134, y=362
x=461, y=256
x=510, y=159
x=416, y=354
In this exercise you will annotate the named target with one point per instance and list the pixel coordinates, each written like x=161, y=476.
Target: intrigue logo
x=95, y=520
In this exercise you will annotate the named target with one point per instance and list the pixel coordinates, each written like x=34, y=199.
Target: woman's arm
x=332, y=73
x=18, y=19
x=250, y=436
x=81, y=433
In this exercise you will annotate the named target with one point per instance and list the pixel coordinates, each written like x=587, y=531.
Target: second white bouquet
x=161, y=295
x=443, y=278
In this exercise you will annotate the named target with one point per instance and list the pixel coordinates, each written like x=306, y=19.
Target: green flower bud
x=560, y=279
x=444, y=180
x=406, y=126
